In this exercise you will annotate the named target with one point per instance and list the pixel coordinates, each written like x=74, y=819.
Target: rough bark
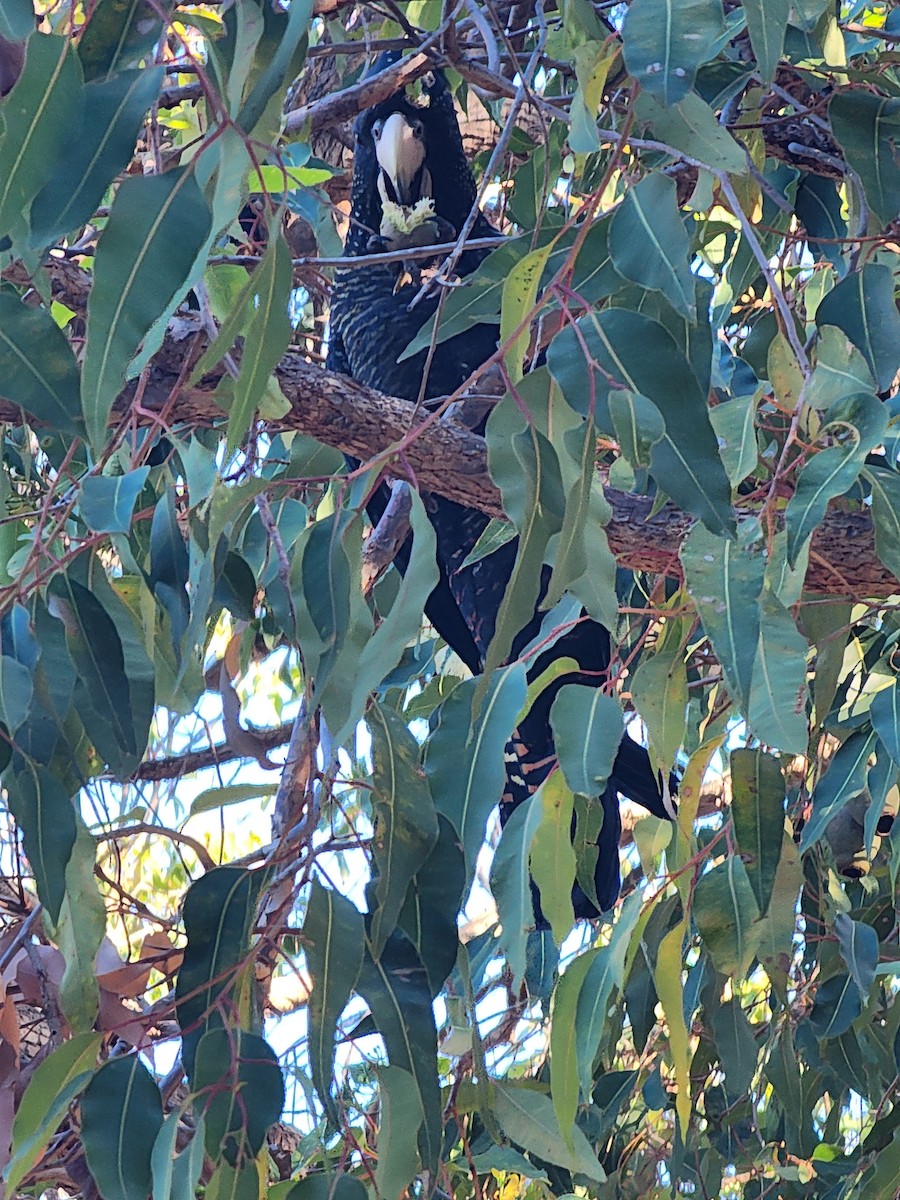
x=449, y=460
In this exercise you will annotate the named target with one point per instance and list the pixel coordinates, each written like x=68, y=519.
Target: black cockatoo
x=411, y=173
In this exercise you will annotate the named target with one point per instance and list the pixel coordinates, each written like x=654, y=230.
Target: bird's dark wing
x=370, y=326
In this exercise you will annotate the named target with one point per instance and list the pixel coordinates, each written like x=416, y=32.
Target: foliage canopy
x=222, y=714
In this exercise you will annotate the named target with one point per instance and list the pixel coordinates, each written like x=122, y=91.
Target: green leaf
x=496, y=534
x=524, y=466
x=667, y=972
x=16, y=20
x=322, y=1186
x=52, y=1088
x=406, y=827
x=401, y=1111
x=107, y=502
x=736, y=1045
x=511, y=885
x=866, y=126
x=156, y=227
x=218, y=914
x=97, y=150
x=724, y=580
x=477, y=301
x=281, y=51
x=517, y=300
x=606, y=972
x=884, y=713
x=79, y=932
x=577, y=460
x=528, y=1119
x=832, y=472
x=38, y=366
x=840, y=369
x=766, y=23
x=665, y=41
x=119, y=34
x=402, y=623
x=121, y=1115
x=395, y=987
x=428, y=917
x=169, y=566
x=885, y=487
x=844, y=779
x=859, y=950
x=862, y=306
x=638, y=425
x=343, y=652
x=726, y=913
x=649, y=245
x=334, y=939
x=16, y=692
x=236, y=793
x=641, y=355
x=776, y=928
x=244, y=1092
x=44, y=813
x=836, y=1007
x=176, y=1175
x=587, y=728
x=463, y=755
x=552, y=856
x=735, y=424
x=778, y=691
x=266, y=336
x=818, y=208
x=564, y=1086
x=96, y=650
x=757, y=809
x=35, y=119
x=660, y=695
x=233, y=1183
x=692, y=126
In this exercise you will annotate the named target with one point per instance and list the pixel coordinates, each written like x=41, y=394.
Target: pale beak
x=401, y=155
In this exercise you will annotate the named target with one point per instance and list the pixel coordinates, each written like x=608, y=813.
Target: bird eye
x=418, y=130
x=376, y=129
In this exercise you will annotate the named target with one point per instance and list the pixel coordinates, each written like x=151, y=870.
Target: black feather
x=371, y=325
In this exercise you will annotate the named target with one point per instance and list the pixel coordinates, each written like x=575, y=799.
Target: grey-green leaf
x=587, y=729
x=395, y=986
x=866, y=125
x=107, y=502
x=757, y=810
x=862, y=305
x=665, y=41
x=38, y=367
x=766, y=23
x=726, y=913
x=463, y=755
x=529, y=1120
x=649, y=245
x=156, y=226
x=859, y=949
x=34, y=121
x=98, y=149
x=333, y=930
x=121, y=1115
x=885, y=487
x=405, y=821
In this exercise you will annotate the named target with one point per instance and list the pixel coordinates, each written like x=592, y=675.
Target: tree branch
x=451, y=461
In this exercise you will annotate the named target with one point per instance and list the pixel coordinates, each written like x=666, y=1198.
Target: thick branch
x=451, y=461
